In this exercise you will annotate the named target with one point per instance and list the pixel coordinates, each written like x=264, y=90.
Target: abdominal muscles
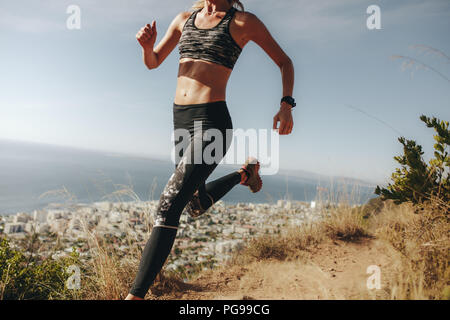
x=200, y=81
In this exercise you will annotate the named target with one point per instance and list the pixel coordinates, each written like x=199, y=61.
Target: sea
x=35, y=176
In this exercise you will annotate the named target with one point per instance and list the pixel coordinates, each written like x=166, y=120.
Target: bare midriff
x=201, y=81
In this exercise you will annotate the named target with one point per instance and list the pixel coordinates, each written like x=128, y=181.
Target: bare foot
x=131, y=297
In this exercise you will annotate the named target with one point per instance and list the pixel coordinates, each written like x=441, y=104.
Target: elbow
x=286, y=62
x=151, y=66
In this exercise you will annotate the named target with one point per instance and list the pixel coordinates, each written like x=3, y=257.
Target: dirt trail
x=333, y=270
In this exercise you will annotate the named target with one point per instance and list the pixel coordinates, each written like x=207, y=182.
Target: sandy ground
x=332, y=270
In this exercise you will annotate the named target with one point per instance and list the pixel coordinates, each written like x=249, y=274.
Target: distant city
x=209, y=239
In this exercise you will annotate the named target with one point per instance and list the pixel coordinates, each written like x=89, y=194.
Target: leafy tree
x=417, y=181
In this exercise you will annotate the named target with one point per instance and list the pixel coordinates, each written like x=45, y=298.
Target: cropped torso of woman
x=201, y=81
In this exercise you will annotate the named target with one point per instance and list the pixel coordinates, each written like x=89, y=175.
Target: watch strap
x=289, y=100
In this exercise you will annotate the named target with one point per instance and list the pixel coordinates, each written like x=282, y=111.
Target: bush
x=23, y=277
x=416, y=181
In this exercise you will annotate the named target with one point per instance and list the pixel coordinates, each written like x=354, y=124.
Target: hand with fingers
x=146, y=36
x=284, y=117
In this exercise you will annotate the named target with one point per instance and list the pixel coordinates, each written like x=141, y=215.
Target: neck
x=217, y=5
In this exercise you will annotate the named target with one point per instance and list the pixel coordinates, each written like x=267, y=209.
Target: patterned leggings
x=193, y=167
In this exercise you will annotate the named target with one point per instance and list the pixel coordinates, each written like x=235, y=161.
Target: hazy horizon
x=166, y=159
x=29, y=170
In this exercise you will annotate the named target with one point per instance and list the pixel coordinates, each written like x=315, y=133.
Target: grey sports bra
x=214, y=44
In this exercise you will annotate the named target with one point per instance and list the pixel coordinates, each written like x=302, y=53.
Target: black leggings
x=192, y=170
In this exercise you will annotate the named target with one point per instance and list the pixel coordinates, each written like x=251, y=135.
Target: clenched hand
x=147, y=36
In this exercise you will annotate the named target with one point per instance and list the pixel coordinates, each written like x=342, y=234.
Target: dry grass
x=109, y=274
x=420, y=236
x=345, y=224
x=342, y=223
x=424, y=246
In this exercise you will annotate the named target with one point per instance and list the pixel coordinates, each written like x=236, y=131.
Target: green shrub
x=417, y=181
x=25, y=277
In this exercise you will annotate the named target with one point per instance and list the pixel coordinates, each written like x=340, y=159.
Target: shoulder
x=185, y=14
x=246, y=17
x=180, y=19
x=247, y=20
x=249, y=24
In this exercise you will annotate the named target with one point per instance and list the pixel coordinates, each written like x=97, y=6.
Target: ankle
x=243, y=175
x=132, y=297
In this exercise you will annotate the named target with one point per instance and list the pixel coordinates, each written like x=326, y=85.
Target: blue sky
x=89, y=88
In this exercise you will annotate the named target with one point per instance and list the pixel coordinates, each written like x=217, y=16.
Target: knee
x=199, y=205
x=164, y=219
x=166, y=214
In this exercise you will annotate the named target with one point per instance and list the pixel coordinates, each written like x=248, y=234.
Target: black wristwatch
x=289, y=100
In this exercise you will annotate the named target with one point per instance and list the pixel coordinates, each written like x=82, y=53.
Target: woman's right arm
x=146, y=37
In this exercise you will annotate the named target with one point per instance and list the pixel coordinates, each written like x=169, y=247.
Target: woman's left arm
x=256, y=31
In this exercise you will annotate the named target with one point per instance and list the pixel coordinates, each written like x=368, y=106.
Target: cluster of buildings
x=204, y=241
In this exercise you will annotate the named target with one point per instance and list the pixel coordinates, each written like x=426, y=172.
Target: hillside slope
x=332, y=270
x=329, y=259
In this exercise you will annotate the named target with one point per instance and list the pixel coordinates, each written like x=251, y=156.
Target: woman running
x=210, y=38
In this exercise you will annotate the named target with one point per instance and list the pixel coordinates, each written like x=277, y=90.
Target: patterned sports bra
x=214, y=44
